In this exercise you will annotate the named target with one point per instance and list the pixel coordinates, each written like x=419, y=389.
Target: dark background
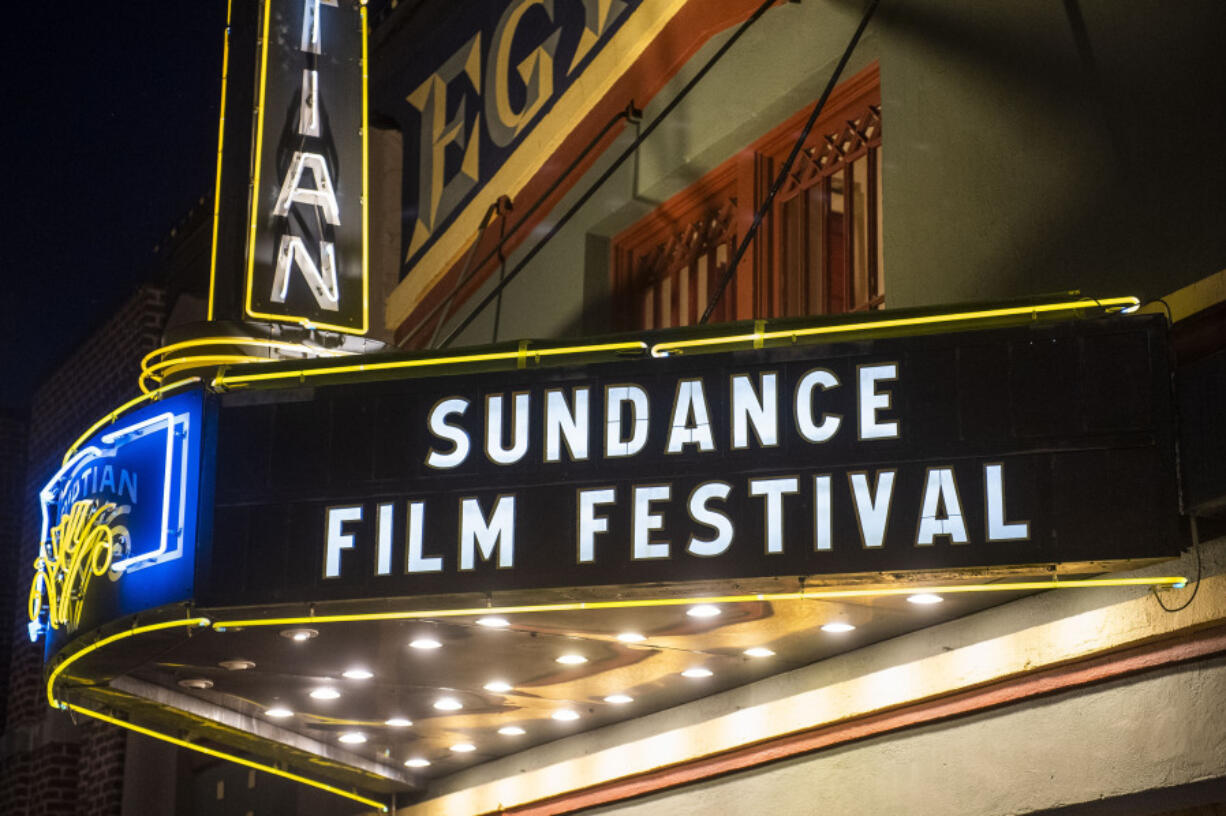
x=111, y=130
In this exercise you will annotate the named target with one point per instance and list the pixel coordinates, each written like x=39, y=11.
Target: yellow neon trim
x=221, y=340
x=106, y=641
x=221, y=138
x=180, y=363
x=132, y=403
x=757, y=337
x=365, y=179
x=255, y=201
x=253, y=205
x=222, y=380
x=79, y=550
x=250, y=763
x=803, y=595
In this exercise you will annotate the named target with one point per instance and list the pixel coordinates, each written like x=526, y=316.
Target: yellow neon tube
x=757, y=337
x=250, y=763
x=222, y=380
x=106, y=641
x=197, y=361
x=365, y=178
x=132, y=403
x=221, y=138
x=803, y=595
x=253, y=204
x=221, y=340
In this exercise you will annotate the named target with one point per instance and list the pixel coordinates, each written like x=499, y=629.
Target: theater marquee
x=997, y=448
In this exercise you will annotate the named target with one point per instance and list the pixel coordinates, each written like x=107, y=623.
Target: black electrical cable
x=787, y=165
x=460, y=280
x=1196, y=583
x=608, y=173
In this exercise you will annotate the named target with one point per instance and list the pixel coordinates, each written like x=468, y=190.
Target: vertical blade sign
x=307, y=250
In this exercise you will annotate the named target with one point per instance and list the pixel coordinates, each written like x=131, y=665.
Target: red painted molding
x=1012, y=690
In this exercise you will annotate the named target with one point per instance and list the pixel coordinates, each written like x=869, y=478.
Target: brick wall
x=12, y=486
x=47, y=768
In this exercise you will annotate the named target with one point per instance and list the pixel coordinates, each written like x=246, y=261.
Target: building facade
x=597, y=177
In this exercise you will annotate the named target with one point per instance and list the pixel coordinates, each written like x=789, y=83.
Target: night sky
x=112, y=133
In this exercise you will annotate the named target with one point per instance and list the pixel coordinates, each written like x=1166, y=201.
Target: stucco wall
x=1158, y=730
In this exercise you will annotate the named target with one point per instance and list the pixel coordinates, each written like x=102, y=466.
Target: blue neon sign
x=119, y=520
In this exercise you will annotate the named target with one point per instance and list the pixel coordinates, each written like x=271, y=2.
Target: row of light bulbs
x=501, y=687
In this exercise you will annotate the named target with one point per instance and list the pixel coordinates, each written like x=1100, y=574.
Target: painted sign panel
x=307, y=255
x=119, y=520
x=483, y=80
x=1036, y=445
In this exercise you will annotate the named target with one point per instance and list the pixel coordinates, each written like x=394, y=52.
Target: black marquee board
x=1077, y=415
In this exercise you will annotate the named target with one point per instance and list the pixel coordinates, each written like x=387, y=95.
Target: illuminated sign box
x=119, y=519
x=1007, y=447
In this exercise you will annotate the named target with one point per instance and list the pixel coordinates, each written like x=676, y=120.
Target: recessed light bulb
x=353, y=738
x=565, y=714
x=448, y=704
x=417, y=762
x=493, y=622
x=697, y=671
x=619, y=699
x=703, y=611
x=571, y=659
x=300, y=634
x=463, y=747
x=357, y=674
x=512, y=731
x=497, y=686
x=278, y=713
x=631, y=637
x=425, y=643
x=196, y=683
x=325, y=693
x=237, y=664
x=759, y=651
x=837, y=627
x=398, y=722
x=925, y=599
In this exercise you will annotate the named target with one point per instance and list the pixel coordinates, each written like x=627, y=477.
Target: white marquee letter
x=615, y=396
x=701, y=513
x=563, y=423
x=872, y=512
x=321, y=195
x=454, y=434
x=809, y=430
x=476, y=534
x=416, y=560
x=761, y=411
x=322, y=282
x=998, y=529
x=336, y=539
x=519, y=429
x=872, y=401
x=774, y=491
x=645, y=521
x=940, y=490
x=689, y=404
x=383, y=541
x=589, y=523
